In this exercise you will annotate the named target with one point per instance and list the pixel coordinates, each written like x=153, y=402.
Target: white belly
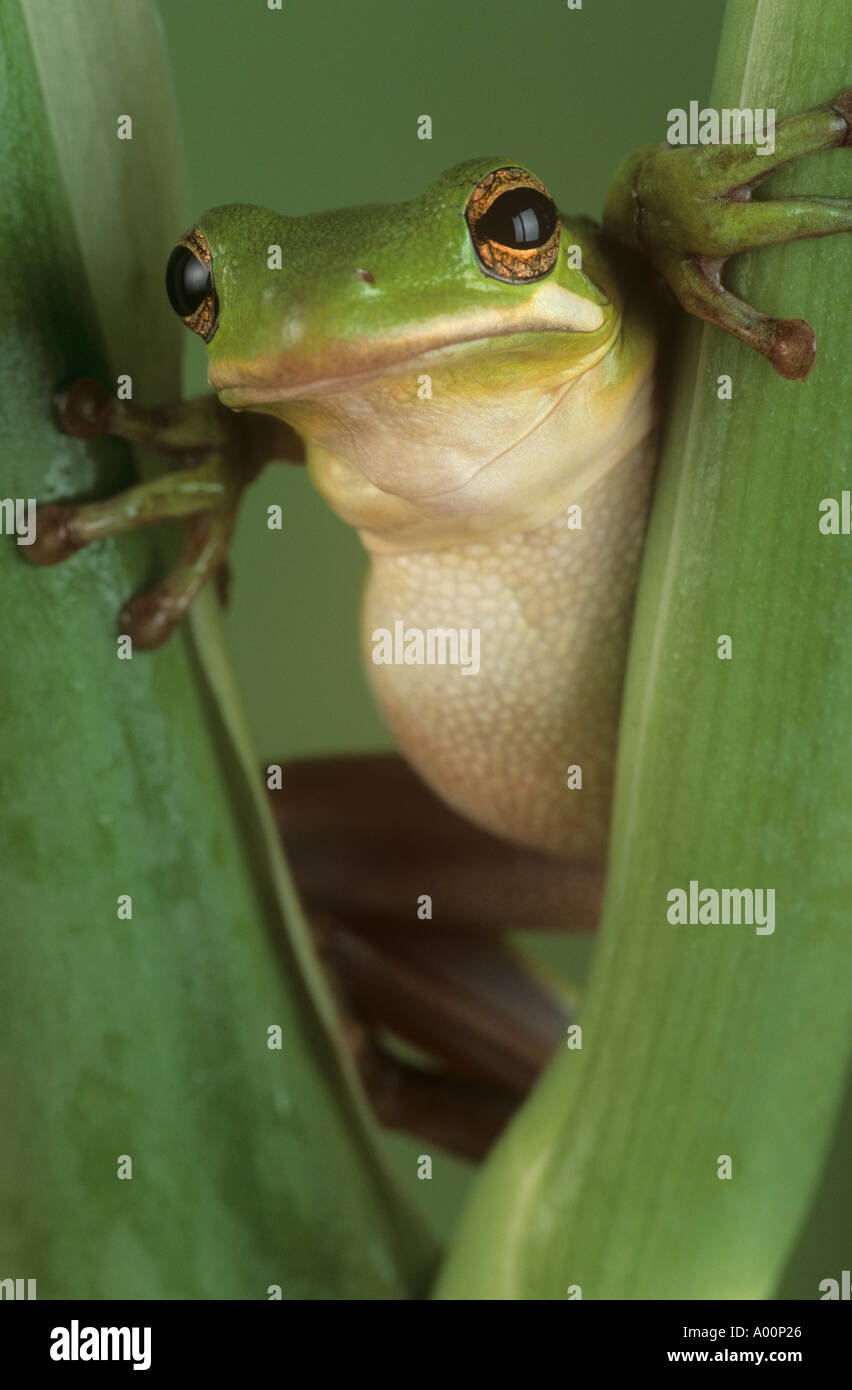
x=553, y=607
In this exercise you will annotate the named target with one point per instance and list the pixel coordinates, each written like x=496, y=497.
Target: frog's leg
x=219, y=453
x=688, y=209
x=462, y=1116
x=366, y=831
x=482, y=1025
x=367, y=840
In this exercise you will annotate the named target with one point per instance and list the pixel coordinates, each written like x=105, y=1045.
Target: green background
x=316, y=106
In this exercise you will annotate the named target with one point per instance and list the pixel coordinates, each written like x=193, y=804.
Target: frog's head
x=416, y=341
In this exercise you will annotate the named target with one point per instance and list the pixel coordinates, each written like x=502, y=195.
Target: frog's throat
x=607, y=413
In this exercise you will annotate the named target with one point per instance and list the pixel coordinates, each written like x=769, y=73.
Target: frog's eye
x=514, y=226
x=189, y=284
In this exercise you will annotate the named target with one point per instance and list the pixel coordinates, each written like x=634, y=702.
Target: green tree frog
x=472, y=380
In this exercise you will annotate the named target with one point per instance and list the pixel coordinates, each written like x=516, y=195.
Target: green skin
x=540, y=397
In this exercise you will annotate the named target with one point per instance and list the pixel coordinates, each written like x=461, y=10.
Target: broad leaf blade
x=144, y=1037
x=709, y=1041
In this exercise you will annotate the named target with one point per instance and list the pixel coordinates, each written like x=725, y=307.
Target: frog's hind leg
x=462, y=1116
x=482, y=1024
x=366, y=830
x=219, y=454
x=407, y=901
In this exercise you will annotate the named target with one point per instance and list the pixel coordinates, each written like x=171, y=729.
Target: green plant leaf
x=708, y=1041
x=144, y=1037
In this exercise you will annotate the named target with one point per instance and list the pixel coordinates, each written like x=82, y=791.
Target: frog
x=473, y=380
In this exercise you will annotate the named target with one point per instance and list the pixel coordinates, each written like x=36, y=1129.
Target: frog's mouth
x=337, y=366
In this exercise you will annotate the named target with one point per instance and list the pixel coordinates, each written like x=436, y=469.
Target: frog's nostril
x=366, y=275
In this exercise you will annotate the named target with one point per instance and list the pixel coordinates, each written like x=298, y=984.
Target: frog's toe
x=83, y=408
x=149, y=619
x=55, y=538
x=152, y=617
x=727, y=170
x=751, y=226
x=792, y=347
x=789, y=345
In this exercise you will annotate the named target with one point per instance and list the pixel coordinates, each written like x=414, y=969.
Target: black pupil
x=188, y=281
x=521, y=217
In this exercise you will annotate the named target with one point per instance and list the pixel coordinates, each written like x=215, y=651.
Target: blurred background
x=316, y=106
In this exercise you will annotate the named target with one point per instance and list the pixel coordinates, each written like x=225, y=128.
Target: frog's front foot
x=688, y=209
x=219, y=454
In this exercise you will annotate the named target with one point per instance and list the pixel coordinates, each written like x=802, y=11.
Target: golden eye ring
x=514, y=226
x=190, y=287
